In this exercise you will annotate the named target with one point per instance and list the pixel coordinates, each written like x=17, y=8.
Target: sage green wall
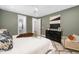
x=44, y=24
x=29, y=24
x=69, y=21
x=0, y=18
x=9, y=20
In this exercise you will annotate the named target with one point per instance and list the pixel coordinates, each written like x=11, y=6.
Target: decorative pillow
x=71, y=37
x=25, y=35
x=6, y=41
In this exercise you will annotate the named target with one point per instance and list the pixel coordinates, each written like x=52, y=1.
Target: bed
x=30, y=45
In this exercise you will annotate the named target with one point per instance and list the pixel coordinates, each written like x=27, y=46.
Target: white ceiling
x=35, y=10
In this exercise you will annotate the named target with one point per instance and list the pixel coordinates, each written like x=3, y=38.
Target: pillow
x=7, y=33
x=6, y=41
x=71, y=37
x=25, y=35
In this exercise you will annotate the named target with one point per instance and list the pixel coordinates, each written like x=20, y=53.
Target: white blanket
x=30, y=45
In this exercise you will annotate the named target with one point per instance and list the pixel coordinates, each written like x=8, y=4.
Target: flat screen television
x=54, y=26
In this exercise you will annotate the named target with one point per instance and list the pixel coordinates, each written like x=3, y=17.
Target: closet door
x=22, y=24
x=36, y=26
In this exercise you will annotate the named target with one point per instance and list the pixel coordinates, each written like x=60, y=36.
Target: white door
x=36, y=26
x=21, y=24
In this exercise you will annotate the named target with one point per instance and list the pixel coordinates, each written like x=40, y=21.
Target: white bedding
x=30, y=45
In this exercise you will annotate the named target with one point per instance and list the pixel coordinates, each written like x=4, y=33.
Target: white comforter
x=30, y=45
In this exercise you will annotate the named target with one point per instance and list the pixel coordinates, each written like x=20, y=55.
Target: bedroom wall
x=29, y=24
x=0, y=19
x=9, y=21
x=69, y=21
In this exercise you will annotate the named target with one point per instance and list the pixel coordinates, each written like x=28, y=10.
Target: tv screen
x=54, y=26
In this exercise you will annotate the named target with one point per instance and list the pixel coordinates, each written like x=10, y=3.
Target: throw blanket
x=5, y=40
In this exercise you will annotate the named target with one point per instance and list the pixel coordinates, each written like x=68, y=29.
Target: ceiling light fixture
x=36, y=11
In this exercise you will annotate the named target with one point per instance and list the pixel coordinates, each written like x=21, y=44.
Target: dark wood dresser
x=54, y=35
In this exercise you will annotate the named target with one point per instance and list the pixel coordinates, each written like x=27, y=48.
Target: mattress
x=30, y=45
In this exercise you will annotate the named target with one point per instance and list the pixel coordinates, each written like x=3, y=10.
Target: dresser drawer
x=53, y=35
